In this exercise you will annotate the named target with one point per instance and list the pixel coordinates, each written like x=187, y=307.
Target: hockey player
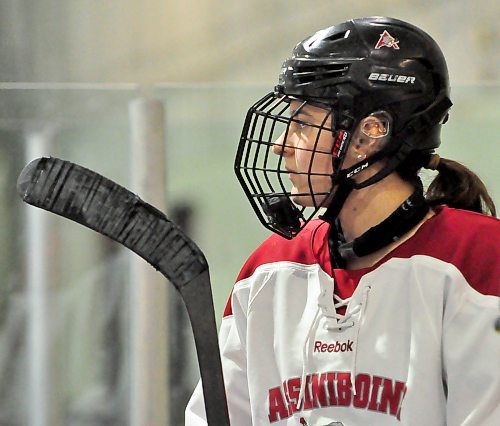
x=381, y=311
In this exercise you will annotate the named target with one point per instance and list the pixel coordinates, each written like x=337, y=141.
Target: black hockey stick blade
x=84, y=196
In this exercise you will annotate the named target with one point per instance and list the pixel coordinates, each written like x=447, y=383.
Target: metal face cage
x=267, y=176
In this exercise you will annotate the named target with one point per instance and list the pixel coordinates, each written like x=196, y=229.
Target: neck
x=367, y=207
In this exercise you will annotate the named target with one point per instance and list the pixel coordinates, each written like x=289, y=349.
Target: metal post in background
x=39, y=336
x=149, y=404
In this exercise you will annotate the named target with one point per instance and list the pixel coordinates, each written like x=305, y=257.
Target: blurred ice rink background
x=70, y=72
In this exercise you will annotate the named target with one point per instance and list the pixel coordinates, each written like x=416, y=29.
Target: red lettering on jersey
x=293, y=392
x=330, y=380
x=398, y=415
x=308, y=400
x=392, y=396
x=277, y=408
x=344, y=393
x=376, y=382
x=287, y=398
x=319, y=395
x=335, y=388
x=362, y=396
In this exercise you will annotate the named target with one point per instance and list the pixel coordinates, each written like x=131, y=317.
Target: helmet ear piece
x=375, y=126
x=373, y=134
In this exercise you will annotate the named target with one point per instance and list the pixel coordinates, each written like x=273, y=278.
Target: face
x=307, y=153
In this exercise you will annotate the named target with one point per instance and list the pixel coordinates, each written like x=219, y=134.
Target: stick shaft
x=196, y=296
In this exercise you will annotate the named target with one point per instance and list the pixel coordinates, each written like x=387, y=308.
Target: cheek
x=321, y=158
x=302, y=158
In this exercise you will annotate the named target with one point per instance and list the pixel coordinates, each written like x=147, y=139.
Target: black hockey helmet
x=352, y=70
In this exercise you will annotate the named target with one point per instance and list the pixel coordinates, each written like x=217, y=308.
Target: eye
x=302, y=128
x=301, y=125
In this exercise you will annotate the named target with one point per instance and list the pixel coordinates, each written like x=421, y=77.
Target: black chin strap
x=402, y=220
x=336, y=203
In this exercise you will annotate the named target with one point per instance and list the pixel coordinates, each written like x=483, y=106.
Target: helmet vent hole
x=338, y=36
x=306, y=74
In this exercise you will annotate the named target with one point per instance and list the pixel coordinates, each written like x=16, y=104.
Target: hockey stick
x=98, y=203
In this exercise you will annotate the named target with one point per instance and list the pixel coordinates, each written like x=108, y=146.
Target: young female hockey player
x=382, y=311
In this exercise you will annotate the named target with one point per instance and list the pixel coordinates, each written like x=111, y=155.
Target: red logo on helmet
x=386, y=40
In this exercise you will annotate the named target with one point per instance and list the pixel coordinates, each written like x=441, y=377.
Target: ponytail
x=455, y=185
x=458, y=187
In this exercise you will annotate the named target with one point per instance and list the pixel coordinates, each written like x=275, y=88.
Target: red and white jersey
x=408, y=341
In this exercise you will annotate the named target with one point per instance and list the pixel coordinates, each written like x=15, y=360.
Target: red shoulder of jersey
x=468, y=240
x=309, y=247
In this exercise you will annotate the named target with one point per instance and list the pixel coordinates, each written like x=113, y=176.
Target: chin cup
x=282, y=214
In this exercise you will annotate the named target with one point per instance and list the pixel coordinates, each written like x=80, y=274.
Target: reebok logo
x=320, y=346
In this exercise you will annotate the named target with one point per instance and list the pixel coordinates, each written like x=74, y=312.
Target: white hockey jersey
x=409, y=341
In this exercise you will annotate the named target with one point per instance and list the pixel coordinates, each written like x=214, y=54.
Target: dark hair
x=455, y=185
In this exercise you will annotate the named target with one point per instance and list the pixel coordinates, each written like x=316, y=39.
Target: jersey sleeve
x=232, y=338
x=471, y=354
x=471, y=346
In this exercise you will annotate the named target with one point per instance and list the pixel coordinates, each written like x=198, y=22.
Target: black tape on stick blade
x=84, y=196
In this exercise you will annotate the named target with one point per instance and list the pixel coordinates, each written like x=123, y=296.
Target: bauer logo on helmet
x=393, y=78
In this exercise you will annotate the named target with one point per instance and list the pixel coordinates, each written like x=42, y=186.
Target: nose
x=282, y=147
